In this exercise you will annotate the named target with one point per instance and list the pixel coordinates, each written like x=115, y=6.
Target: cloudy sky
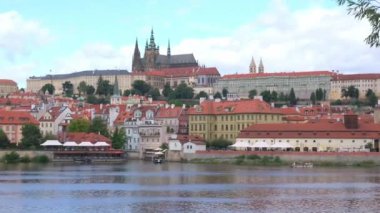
x=37, y=36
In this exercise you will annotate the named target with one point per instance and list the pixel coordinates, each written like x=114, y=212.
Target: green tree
x=154, y=93
x=219, y=143
x=318, y=94
x=252, y=93
x=99, y=126
x=68, y=89
x=118, y=138
x=126, y=92
x=372, y=100
x=292, y=97
x=90, y=90
x=369, y=93
x=224, y=92
x=104, y=87
x=82, y=88
x=313, y=98
x=49, y=87
x=31, y=136
x=218, y=95
x=266, y=95
x=274, y=96
x=283, y=97
x=353, y=92
x=201, y=94
x=370, y=10
x=79, y=125
x=141, y=86
x=167, y=90
x=4, y=141
x=184, y=92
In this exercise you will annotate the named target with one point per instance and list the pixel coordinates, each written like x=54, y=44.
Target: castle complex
x=153, y=60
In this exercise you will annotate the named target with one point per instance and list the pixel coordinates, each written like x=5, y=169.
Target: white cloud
x=309, y=39
x=96, y=56
x=19, y=36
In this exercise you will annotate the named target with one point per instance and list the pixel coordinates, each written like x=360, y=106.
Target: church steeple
x=152, y=44
x=261, y=66
x=116, y=90
x=252, y=66
x=169, y=52
x=136, y=60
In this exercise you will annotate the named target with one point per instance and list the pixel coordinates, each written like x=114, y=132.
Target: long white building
x=303, y=83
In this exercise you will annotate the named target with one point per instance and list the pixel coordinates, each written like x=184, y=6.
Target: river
x=139, y=186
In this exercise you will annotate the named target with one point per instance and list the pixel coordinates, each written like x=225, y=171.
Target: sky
x=40, y=37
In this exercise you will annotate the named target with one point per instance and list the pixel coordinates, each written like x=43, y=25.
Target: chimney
x=183, y=106
x=201, y=99
x=351, y=121
x=150, y=100
x=101, y=106
x=172, y=106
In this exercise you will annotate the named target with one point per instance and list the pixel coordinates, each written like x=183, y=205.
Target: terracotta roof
x=183, y=71
x=347, y=77
x=210, y=107
x=315, y=129
x=7, y=82
x=54, y=112
x=84, y=136
x=278, y=74
x=122, y=116
x=16, y=118
x=193, y=138
x=169, y=112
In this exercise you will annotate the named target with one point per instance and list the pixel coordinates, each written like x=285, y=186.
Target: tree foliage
x=224, y=92
x=90, y=90
x=183, y=92
x=201, y=94
x=4, y=141
x=118, y=138
x=68, y=89
x=313, y=98
x=252, y=93
x=104, y=88
x=351, y=92
x=371, y=98
x=141, y=87
x=366, y=9
x=82, y=88
x=154, y=93
x=167, y=90
x=99, y=126
x=126, y=92
x=218, y=95
x=266, y=95
x=31, y=136
x=219, y=143
x=292, y=97
x=48, y=87
x=79, y=125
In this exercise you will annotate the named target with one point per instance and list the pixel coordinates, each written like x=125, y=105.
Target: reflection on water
x=173, y=187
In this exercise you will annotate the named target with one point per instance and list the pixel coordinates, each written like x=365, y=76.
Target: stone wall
x=29, y=153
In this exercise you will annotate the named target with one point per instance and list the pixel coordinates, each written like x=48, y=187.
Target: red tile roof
x=183, y=72
x=169, y=112
x=364, y=76
x=313, y=129
x=16, y=118
x=8, y=82
x=84, y=136
x=210, y=107
x=193, y=138
x=278, y=74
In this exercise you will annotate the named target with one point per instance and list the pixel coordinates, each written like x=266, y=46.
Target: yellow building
x=34, y=84
x=363, y=82
x=7, y=86
x=225, y=119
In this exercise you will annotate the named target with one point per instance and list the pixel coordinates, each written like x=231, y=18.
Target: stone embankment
x=346, y=158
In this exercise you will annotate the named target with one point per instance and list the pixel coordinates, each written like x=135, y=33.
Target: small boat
x=157, y=160
x=82, y=160
x=302, y=165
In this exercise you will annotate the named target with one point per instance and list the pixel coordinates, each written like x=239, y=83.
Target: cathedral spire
x=252, y=66
x=261, y=66
x=152, y=45
x=136, y=60
x=169, y=52
x=116, y=91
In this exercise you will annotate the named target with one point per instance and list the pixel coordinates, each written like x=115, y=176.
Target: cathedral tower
x=261, y=66
x=252, y=66
x=137, y=65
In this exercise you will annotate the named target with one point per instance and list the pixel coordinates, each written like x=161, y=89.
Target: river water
x=139, y=186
